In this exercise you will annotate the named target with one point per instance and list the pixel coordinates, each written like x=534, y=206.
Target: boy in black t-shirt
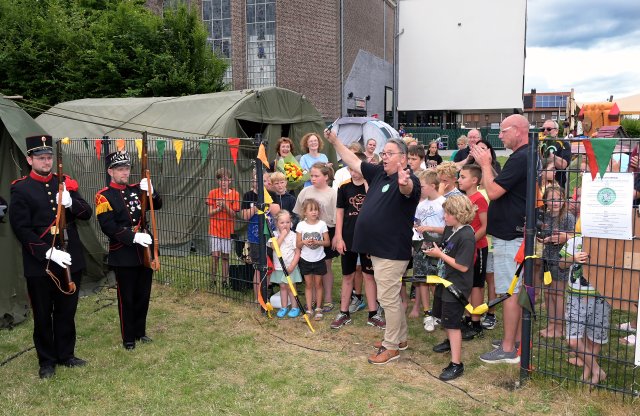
x=351, y=195
x=455, y=265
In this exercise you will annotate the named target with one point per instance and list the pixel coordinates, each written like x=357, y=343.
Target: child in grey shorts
x=587, y=313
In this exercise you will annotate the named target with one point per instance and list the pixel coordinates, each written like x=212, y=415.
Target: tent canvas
x=200, y=120
x=15, y=125
x=361, y=129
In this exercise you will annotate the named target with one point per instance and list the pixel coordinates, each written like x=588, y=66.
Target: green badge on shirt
x=385, y=188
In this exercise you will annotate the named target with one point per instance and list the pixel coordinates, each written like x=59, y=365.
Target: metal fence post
x=529, y=247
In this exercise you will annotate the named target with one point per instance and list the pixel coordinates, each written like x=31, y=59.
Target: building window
x=216, y=15
x=261, y=43
x=551, y=101
x=542, y=116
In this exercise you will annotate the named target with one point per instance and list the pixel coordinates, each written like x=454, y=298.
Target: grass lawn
x=215, y=356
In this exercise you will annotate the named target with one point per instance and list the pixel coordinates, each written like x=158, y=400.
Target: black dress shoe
x=47, y=371
x=73, y=362
x=144, y=339
x=129, y=345
x=452, y=371
x=444, y=346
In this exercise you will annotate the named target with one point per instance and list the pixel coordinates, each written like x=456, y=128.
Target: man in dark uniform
x=119, y=213
x=34, y=204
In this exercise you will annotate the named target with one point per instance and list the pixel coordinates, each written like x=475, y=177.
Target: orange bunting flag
x=120, y=144
x=139, y=147
x=233, y=148
x=177, y=145
x=98, y=143
x=519, y=258
x=262, y=155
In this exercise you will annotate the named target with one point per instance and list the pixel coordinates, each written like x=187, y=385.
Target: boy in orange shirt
x=223, y=204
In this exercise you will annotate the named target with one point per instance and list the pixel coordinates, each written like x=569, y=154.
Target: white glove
x=58, y=256
x=146, y=186
x=66, y=198
x=143, y=239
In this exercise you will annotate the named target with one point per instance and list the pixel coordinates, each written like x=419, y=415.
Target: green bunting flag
x=160, y=146
x=599, y=151
x=204, y=150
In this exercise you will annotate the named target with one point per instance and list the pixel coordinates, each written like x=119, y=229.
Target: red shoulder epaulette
x=18, y=180
x=102, y=190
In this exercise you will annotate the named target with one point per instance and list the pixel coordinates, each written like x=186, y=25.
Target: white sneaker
x=429, y=323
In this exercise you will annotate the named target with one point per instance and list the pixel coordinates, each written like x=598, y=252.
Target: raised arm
x=348, y=157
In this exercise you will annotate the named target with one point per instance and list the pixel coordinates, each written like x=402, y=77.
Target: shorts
x=449, y=313
x=219, y=244
x=588, y=315
x=504, y=265
x=489, y=262
x=318, y=268
x=330, y=253
x=349, y=262
x=480, y=267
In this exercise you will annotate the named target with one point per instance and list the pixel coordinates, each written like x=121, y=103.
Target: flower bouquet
x=296, y=176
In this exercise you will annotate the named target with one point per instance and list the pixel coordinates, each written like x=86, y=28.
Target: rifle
x=150, y=260
x=59, y=230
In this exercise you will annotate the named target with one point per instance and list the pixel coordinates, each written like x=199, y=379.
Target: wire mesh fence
x=184, y=172
x=586, y=278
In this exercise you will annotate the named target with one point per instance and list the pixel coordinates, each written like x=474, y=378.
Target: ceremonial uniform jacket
x=33, y=214
x=119, y=212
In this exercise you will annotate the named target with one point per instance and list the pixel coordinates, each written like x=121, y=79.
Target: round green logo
x=606, y=196
x=385, y=188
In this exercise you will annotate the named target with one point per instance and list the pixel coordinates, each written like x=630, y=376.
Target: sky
x=592, y=46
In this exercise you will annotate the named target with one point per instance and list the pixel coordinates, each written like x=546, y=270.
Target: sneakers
x=498, y=342
x=452, y=371
x=327, y=307
x=318, y=316
x=470, y=332
x=429, y=323
x=294, y=313
x=377, y=321
x=499, y=356
x=489, y=321
x=403, y=345
x=383, y=356
x=340, y=321
x=282, y=312
x=356, y=304
x=73, y=362
x=444, y=346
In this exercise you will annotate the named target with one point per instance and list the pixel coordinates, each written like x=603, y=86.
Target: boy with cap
x=34, y=206
x=119, y=212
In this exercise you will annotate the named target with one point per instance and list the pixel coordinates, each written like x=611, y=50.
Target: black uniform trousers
x=54, y=326
x=134, y=292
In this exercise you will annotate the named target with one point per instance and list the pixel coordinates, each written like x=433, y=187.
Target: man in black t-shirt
x=558, y=149
x=505, y=222
x=384, y=230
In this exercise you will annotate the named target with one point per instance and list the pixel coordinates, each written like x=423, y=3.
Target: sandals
x=629, y=340
x=318, y=316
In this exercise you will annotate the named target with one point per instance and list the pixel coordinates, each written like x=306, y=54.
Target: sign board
x=360, y=104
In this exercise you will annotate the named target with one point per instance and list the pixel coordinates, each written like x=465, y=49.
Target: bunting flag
x=233, y=143
x=139, y=147
x=120, y=145
x=599, y=152
x=66, y=140
x=161, y=145
x=98, y=144
x=177, y=145
x=86, y=143
x=262, y=155
x=204, y=151
x=267, y=197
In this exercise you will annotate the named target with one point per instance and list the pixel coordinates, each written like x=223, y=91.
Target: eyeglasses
x=389, y=154
x=548, y=128
x=503, y=130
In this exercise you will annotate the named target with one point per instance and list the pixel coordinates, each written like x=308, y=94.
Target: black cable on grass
x=286, y=341
x=16, y=355
x=459, y=388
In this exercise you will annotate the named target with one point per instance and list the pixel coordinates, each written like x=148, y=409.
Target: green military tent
x=15, y=125
x=204, y=123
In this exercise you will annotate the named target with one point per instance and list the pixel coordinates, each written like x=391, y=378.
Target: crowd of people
x=392, y=218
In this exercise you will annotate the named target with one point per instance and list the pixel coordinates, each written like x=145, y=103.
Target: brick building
x=542, y=106
x=338, y=53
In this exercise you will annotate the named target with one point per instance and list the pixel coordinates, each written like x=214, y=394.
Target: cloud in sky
x=589, y=45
